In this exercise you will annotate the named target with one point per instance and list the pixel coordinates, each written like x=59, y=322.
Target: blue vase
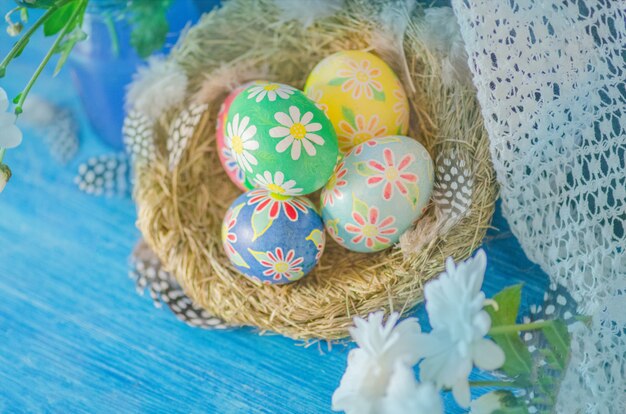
x=101, y=70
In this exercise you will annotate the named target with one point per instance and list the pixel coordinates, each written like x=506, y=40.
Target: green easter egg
x=281, y=140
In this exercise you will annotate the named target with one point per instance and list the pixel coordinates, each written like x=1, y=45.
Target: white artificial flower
x=5, y=175
x=490, y=402
x=157, y=87
x=240, y=140
x=271, y=90
x=307, y=11
x=407, y=396
x=10, y=134
x=454, y=303
x=296, y=132
x=371, y=366
x=277, y=184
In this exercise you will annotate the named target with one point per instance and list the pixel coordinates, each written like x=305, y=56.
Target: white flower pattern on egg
x=277, y=183
x=271, y=91
x=296, y=132
x=239, y=140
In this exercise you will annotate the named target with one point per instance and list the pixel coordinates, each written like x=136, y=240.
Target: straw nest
x=181, y=210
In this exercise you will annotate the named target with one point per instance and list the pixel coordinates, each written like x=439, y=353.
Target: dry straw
x=181, y=211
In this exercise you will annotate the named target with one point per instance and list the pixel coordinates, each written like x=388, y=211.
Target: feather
x=225, y=79
x=442, y=36
x=451, y=200
x=157, y=87
x=56, y=124
x=307, y=11
x=148, y=274
x=138, y=133
x=387, y=38
x=181, y=131
x=105, y=175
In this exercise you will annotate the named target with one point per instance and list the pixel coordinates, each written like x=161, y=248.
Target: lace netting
x=550, y=81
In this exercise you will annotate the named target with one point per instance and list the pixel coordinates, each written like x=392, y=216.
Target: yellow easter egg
x=361, y=95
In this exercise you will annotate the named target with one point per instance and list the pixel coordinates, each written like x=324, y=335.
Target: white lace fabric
x=550, y=77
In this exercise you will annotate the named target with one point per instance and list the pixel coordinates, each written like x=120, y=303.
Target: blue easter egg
x=377, y=192
x=273, y=238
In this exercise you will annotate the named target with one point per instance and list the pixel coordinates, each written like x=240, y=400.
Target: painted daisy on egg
x=400, y=107
x=392, y=174
x=274, y=202
x=370, y=229
x=315, y=95
x=336, y=182
x=280, y=265
x=271, y=91
x=296, y=132
x=229, y=238
x=231, y=164
x=361, y=79
x=363, y=130
x=240, y=140
x=277, y=184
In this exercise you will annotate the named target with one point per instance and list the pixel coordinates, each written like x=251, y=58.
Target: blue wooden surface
x=75, y=337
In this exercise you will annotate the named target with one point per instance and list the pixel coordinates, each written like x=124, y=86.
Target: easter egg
x=376, y=193
x=274, y=130
x=226, y=153
x=361, y=95
x=272, y=238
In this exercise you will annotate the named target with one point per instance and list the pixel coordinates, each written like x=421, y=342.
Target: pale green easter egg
x=377, y=192
x=281, y=140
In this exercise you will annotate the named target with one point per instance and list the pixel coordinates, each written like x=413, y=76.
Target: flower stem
x=46, y=59
x=503, y=329
x=2, y=151
x=20, y=44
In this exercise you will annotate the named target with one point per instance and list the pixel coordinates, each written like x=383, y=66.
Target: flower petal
x=11, y=136
x=279, y=132
x=294, y=112
x=306, y=118
x=461, y=393
x=487, y=355
x=284, y=144
x=315, y=126
x=308, y=147
x=315, y=138
x=4, y=101
x=283, y=119
x=295, y=150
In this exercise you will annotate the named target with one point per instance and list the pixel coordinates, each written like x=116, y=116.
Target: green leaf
x=359, y=207
x=365, y=170
x=508, y=300
x=59, y=19
x=518, y=363
x=379, y=96
x=348, y=115
x=66, y=48
x=337, y=81
x=558, y=337
x=511, y=410
x=261, y=222
x=150, y=26
x=17, y=98
x=413, y=194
